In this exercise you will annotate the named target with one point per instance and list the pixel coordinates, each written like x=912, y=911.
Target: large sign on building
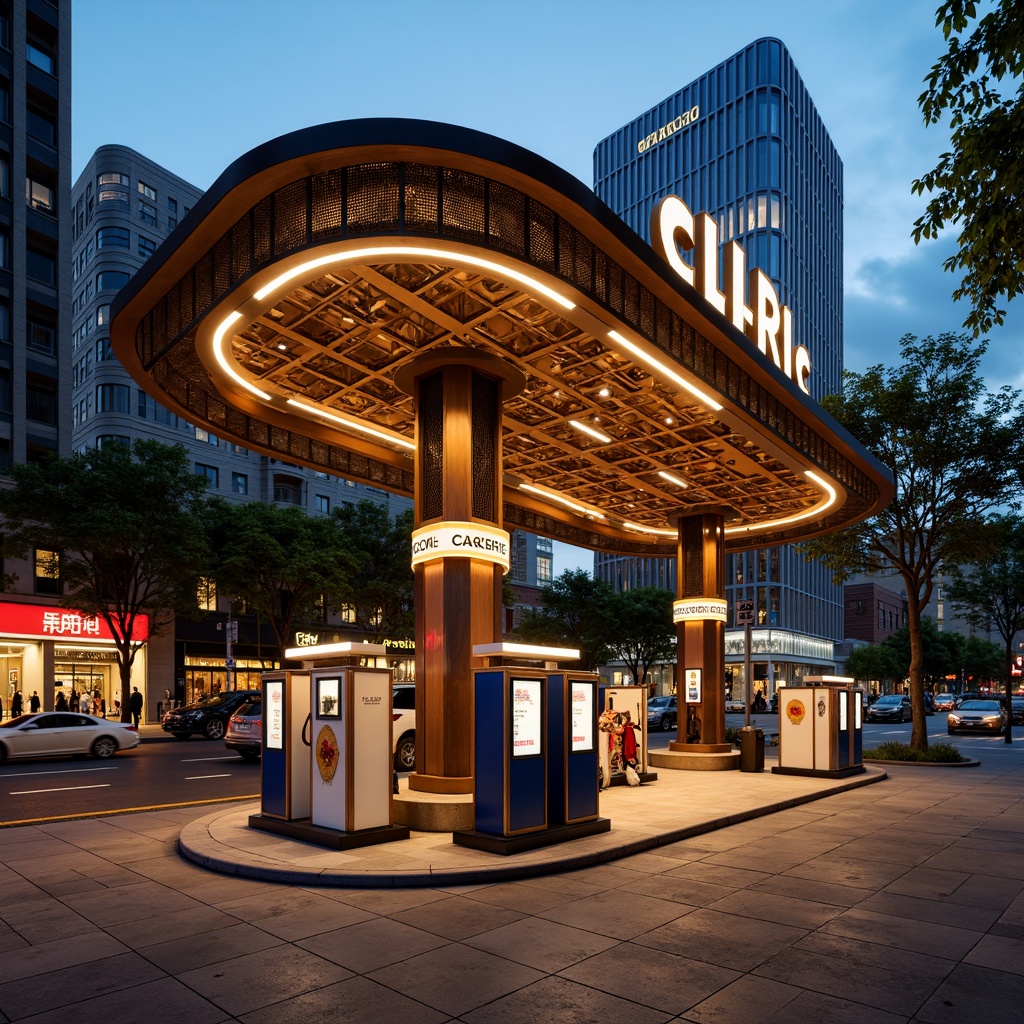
x=43, y=622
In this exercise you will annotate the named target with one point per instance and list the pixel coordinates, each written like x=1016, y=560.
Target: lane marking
x=62, y=771
x=115, y=811
x=62, y=789
x=192, y=778
x=190, y=760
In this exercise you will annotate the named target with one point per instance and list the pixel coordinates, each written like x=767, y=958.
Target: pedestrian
x=1, y=708
x=103, y=707
x=85, y=703
x=16, y=704
x=135, y=705
x=73, y=703
x=33, y=702
x=61, y=704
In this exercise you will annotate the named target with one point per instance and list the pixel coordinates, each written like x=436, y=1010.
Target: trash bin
x=751, y=749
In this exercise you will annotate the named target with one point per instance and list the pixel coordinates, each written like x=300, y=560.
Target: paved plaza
x=895, y=901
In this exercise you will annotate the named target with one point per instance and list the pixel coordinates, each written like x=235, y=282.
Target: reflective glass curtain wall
x=745, y=143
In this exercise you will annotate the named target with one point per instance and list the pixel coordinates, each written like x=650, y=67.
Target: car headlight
x=954, y=719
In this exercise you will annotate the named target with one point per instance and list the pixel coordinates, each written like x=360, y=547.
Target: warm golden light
x=353, y=424
x=227, y=365
x=590, y=431
x=678, y=481
x=665, y=371
x=583, y=510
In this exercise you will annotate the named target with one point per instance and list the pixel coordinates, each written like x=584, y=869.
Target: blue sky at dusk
x=195, y=85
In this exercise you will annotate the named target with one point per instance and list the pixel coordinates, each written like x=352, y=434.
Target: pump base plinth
x=433, y=812
x=682, y=759
x=305, y=831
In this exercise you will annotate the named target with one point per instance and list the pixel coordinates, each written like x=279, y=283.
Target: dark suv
x=207, y=717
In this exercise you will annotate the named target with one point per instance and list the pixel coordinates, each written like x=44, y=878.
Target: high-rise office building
x=37, y=638
x=744, y=143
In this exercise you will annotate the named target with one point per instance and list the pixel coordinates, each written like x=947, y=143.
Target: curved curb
x=197, y=844
x=968, y=762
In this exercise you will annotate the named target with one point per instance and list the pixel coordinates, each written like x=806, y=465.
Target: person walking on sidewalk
x=135, y=705
x=33, y=702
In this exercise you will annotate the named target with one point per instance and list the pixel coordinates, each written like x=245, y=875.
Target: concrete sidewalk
x=895, y=901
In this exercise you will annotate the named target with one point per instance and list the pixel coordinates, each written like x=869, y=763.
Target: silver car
x=977, y=716
x=62, y=733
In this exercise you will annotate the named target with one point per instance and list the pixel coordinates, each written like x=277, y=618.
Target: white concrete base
x=683, y=761
x=433, y=812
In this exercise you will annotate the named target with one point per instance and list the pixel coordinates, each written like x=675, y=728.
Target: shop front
x=47, y=651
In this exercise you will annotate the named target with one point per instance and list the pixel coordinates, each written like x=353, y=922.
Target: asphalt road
x=199, y=771
x=151, y=775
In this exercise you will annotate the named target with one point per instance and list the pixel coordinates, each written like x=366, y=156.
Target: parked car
x=733, y=706
x=56, y=733
x=207, y=717
x=662, y=713
x=1018, y=710
x=961, y=697
x=403, y=728
x=890, y=707
x=977, y=716
x=245, y=730
x=945, y=701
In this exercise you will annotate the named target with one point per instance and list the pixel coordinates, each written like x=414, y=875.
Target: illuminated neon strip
x=227, y=365
x=595, y=434
x=583, y=510
x=377, y=251
x=811, y=513
x=665, y=371
x=672, y=479
x=353, y=424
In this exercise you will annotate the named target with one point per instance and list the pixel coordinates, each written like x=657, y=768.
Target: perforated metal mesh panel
x=431, y=431
x=486, y=459
x=693, y=558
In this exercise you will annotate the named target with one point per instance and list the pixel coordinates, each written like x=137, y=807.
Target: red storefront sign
x=44, y=622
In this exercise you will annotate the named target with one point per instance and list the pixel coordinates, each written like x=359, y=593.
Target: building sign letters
x=765, y=321
x=32, y=620
x=461, y=540
x=686, y=118
x=698, y=609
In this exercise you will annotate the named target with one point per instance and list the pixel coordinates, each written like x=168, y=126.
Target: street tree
x=641, y=632
x=976, y=185
x=573, y=613
x=284, y=566
x=381, y=583
x=125, y=526
x=953, y=448
x=989, y=593
x=873, y=663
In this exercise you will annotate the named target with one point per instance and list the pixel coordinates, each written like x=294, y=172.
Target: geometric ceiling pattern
x=280, y=311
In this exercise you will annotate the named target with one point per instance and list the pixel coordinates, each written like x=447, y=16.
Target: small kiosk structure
x=623, y=708
x=535, y=750
x=820, y=728
x=327, y=774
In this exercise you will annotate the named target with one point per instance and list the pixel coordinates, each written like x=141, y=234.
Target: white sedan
x=733, y=706
x=55, y=733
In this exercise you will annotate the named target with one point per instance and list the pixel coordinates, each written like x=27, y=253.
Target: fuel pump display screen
x=274, y=714
x=526, y=717
x=581, y=696
x=328, y=698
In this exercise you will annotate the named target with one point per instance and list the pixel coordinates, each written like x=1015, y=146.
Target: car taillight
x=131, y=728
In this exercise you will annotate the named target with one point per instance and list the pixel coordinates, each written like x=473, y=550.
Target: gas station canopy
x=286, y=310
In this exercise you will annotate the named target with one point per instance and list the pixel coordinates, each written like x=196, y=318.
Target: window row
x=112, y=187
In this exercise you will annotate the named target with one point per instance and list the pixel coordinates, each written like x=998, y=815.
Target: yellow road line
x=127, y=810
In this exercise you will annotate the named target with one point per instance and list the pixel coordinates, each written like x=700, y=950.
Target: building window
x=39, y=57
x=39, y=195
x=146, y=247
x=103, y=314
x=5, y=322
x=5, y=390
x=40, y=265
x=47, y=572
x=41, y=337
x=239, y=483
x=5, y=175
x=543, y=570
x=5, y=100
x=112, y=178
x=211, y=473
x=41, y=401
x=113, y=398
x=103, y=350
x=147, y=213
x=41, y=125
x=110, y=195
x=111, y=280
x=206, y=594
x=288, y=489
x=323, y=503
x=105, y=440
x=149, y=193
x=113, y=238
x=206, y=437
x=348, y=613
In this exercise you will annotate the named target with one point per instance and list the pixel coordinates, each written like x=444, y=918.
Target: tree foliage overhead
x=641, y=633
x=574, y=614
x=381, y=583
x=282, y=563
x=954, y=449
x=126, y=524
x=978, y=183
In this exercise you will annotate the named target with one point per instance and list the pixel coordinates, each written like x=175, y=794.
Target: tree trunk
x=1009, y=692
x=919, y=732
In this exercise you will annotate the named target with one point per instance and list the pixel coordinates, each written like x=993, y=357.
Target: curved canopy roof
x=322, y=263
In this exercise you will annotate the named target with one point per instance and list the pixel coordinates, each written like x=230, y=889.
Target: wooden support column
x=460, y=550
x=700, y=616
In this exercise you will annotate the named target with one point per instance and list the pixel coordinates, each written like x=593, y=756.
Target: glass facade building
x=744, y=143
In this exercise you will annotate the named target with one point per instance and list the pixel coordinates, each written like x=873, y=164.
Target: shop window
x=48, y=572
